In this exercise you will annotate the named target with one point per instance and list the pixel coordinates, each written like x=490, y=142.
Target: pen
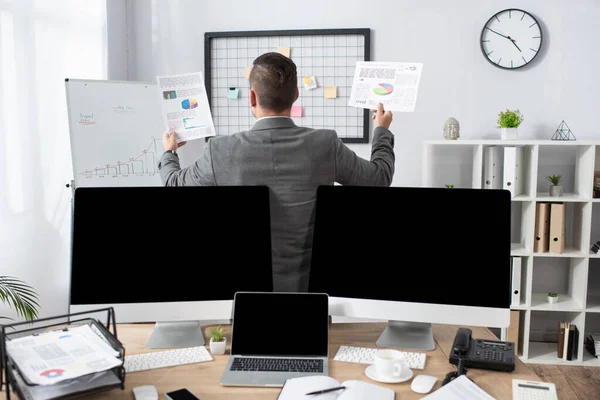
x=327, y=390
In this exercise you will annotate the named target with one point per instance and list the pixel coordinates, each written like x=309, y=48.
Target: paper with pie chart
x=55, y=356
x=394, y=84
x=184, y=106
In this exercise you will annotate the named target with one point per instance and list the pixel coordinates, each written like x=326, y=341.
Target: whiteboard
x=116, y=132
x=328, y=56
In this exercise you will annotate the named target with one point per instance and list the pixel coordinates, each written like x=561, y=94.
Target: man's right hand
x=382, y=118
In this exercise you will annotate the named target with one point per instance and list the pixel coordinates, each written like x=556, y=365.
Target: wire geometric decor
x=563, y=132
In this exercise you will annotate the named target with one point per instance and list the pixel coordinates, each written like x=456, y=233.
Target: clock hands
x=504, y=36
x=507, y=37
x=513, y=42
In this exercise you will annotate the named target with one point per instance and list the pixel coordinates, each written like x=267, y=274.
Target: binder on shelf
x=515, y=282
x=513, y=170
x=542, y=228
x=572, y=343
x=74, y=387
x=512, y=333
x=558, y=230
x=492, y=168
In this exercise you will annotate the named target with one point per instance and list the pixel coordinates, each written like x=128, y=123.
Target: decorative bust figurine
x=451, y=129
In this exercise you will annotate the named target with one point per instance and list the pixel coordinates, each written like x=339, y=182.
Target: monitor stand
x=407, y=335
x=176, y=335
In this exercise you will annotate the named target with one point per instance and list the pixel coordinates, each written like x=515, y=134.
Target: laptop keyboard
x=277, y=364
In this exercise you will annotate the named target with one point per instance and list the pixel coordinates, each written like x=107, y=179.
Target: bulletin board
x=327, y=56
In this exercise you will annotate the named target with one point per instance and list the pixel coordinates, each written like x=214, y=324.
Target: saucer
x=372, y=373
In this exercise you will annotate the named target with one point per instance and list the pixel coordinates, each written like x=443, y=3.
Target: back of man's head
x=274, y=80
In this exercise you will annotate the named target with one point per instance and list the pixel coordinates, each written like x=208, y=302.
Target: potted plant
x=552, y=297
x=218, y=341
x=20, y=296
x=556, y=189
x=508, y=122
x=449, y=186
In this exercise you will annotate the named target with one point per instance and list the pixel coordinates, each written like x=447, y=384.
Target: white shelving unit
x=575, y=273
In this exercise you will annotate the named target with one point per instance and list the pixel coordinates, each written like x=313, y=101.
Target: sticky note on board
x=233, y=93
x=285, y=51
x=310, y=82
x=247, y=72
x=330, y=92
x=296, y=111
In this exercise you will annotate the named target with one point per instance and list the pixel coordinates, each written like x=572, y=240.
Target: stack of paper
x=592, y=344
x=55, y=356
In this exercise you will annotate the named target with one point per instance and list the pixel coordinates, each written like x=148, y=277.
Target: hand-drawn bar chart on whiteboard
x=116, y=133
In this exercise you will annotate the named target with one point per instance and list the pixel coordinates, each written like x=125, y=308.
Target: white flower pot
x=218, y=348
x=508, y=133
x=552, y=300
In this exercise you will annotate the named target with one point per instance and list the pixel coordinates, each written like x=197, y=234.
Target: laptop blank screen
x=280, y=324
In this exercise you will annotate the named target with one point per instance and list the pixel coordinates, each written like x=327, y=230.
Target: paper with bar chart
x=116, y=133
x=394, y=84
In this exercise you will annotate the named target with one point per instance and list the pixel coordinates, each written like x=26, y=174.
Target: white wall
x=167, y=37
x=41, y=44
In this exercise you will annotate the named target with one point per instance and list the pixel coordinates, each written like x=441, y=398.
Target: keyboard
x=276, y=364
x=364, y=355
x=166, y=358
x=527, y=390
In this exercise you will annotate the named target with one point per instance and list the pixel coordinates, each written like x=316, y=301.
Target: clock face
x=511, y=39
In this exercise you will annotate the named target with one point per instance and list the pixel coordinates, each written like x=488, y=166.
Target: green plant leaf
x=19, y=296
x=555, y=180
x=216, y=333
x=510, y=119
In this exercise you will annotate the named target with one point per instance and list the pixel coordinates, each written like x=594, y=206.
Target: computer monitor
x=171, y=255
x=413, y=256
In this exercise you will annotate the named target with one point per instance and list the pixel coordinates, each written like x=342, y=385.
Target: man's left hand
x=170, y=141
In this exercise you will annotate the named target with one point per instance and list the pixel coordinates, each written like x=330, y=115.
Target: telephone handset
x=482, y=354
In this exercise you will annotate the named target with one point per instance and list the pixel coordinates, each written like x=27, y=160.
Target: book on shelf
x=568, y=341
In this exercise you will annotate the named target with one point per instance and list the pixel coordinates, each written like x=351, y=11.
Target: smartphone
x=181, y=394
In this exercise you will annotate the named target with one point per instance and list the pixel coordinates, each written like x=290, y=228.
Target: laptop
x=276, y=336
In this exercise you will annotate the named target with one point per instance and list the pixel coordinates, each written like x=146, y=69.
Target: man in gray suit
x=291, y=160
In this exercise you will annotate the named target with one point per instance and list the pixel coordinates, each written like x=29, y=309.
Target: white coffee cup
x=390, y=363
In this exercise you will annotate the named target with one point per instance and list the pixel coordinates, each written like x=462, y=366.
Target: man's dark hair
x=273, y=78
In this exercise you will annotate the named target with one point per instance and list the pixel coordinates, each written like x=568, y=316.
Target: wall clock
x=511, y=39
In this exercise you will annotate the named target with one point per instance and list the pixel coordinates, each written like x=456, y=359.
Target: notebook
x=277, y=336
x=297, y=388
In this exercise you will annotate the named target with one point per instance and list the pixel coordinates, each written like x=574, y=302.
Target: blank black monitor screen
x=302, y=321
x=169, y=244
x=425, y=245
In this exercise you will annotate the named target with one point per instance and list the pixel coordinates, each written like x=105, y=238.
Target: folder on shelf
x=492, y=168
x=516, y=282
x=512, y=333
x=513, y=170
x=542, y=227
x=558, y=232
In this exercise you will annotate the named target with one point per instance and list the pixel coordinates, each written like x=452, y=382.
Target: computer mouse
x=423, y=383
x=146, y=392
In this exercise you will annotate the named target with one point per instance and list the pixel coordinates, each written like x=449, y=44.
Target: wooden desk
x=203, y=379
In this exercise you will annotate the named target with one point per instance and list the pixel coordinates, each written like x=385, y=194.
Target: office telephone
x=482, y=353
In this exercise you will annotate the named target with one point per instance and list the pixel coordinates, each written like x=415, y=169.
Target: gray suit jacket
x=292, y=161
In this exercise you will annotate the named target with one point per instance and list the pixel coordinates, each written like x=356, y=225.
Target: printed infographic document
x=184, y=104
x=394, y=84
x=55, y=356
